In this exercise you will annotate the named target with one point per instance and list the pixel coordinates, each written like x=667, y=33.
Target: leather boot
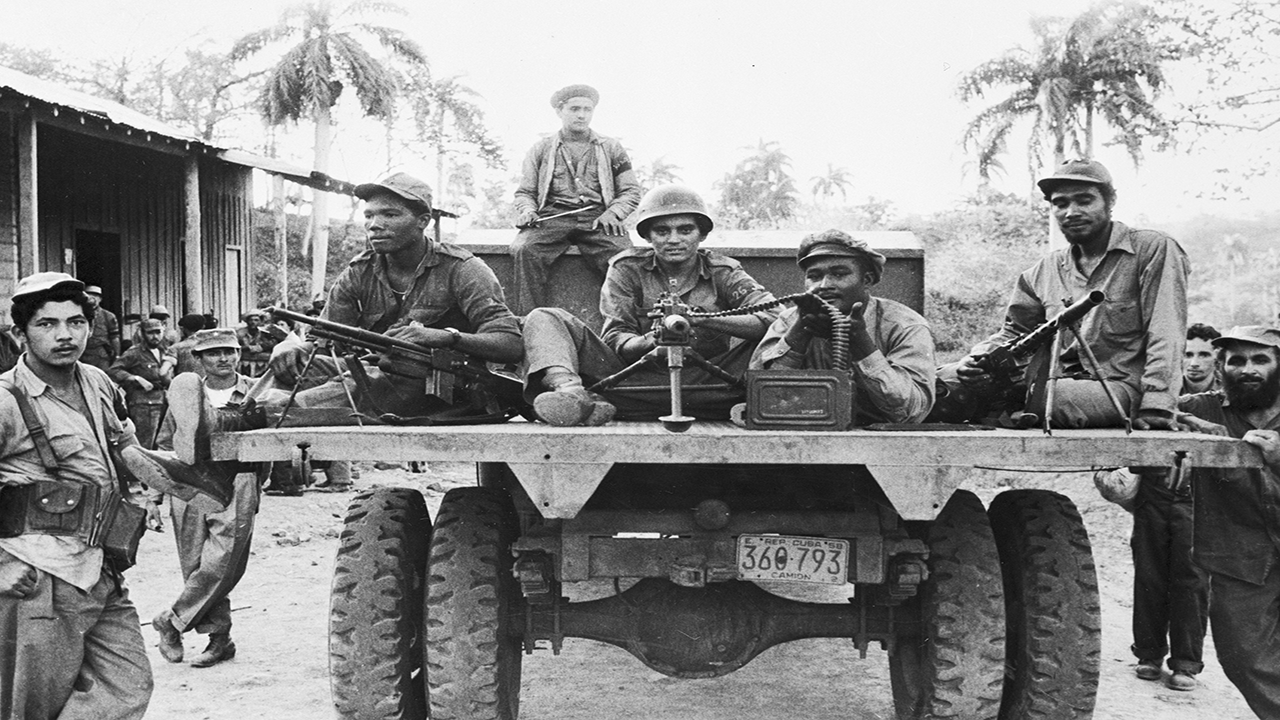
x=570, y=407
x=208, y=486
x=170, y=637
x=220, y=648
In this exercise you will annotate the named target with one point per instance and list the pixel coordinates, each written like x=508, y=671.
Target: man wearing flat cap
x=1137, y=335
x=70, y=642
x=213, y=545
x=161, y=313
x=890, y=346
x=144, y=372
x=409, y=287
x=104, y=342
x=257, y=339
x=1237, y=511
x=576, y=188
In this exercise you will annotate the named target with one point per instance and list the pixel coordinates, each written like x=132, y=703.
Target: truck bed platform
x=561, y=467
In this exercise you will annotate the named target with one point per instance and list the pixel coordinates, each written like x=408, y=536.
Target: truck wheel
x=473, y=609
x=951, y=663
x=1051, y=598
x=375, y=629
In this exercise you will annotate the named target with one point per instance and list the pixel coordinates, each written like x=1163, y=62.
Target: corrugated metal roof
x=55, y=94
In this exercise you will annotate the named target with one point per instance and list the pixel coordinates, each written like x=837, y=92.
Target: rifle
x=441, y=368
x=1003, y=364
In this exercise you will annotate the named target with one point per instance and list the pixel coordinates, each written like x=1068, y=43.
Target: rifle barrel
x=347, y=333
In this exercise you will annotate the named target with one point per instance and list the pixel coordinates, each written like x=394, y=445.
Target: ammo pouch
x=47, y=507
x=102, y=518
x=122, y=526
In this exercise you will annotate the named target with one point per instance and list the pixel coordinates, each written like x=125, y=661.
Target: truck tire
x=375, y=601
x=473, y=609
x=1051, y=599
x=951, y=663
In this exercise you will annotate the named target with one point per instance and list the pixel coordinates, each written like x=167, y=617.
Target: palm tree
x=309, y=79
x=659, y=172
x=760, y=189
x=836, y=180
x=1104, y=62
x=446, y=115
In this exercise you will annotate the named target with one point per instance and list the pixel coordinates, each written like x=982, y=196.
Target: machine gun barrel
x=345, y=333
x=1027, y=344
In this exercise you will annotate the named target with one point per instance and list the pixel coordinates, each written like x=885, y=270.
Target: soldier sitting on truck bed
x=890, y=346
x=410, y=287
x=1137, y=335
x=561, y=352
x=576, y=188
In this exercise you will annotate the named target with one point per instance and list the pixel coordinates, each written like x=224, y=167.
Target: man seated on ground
x=562, y=354
x=1136, y=335
x=409, y=287
x=1200, y=372
x=213, y=546
x=1237, y=512
x=890, y=346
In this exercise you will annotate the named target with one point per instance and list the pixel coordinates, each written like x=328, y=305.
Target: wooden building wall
x=94, y=193
x=8, y=211
x=226, y=216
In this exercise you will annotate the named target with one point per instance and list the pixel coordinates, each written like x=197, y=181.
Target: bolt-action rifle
x=1004, y=366
x=443, y=370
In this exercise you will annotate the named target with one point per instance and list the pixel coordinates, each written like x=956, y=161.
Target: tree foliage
x=835, y=180
x=760, y=192
x=1108, y=62
x=659, y=172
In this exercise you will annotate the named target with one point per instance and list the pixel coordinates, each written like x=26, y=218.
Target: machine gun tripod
x=673, y=333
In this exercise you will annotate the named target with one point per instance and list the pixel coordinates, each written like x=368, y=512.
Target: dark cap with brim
x=1077, y=171
x=566, y=94
x=401, y=185
x=838, y=243
x=1256, y=334
x=46, y=281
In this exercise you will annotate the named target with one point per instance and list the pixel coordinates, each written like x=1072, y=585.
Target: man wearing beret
x=1137, y=335
x=70, y=643
x=562, y=354
x=576, y=188
x=1237, y=513
x=144, y=372
x=213, y=546
x=890, y=346
x=104, y=343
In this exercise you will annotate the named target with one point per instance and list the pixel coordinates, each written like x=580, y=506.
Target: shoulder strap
x=34, y=427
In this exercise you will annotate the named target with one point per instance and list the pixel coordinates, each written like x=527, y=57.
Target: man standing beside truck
x=1237, y=513
x=576, y=188
x=1136, y=335
x=890, y=346
x=70, y=642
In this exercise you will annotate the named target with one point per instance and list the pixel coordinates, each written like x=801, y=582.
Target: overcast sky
x=867, y=86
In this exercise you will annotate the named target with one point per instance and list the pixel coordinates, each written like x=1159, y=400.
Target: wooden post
x=28, y=200
x=282, y=236
x=194, y=284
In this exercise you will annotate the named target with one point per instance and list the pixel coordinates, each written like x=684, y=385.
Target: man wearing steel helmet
x=583, y=178
x=562, y=354
x=890, y=346
x=1137, y=335
x=70, y=642
x=1237, y=512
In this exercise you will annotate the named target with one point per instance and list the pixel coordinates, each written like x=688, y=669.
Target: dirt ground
x=281, y=606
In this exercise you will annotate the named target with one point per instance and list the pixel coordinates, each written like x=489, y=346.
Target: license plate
x=793, y=559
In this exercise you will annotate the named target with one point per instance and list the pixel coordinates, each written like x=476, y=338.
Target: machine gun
x=447, y=373
x=1004, y=365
